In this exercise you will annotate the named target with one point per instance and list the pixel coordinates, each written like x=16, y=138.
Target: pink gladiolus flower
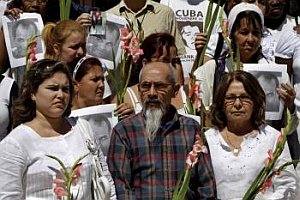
x=76, y=174
x=60, y=192
x=268, y=159
x=280, y=138
x=225, y=27
x=125, y=34
x=192, y=157
x=266, y=184
x=191, y=160
x=58, y=181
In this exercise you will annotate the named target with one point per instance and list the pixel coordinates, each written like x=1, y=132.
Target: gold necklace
x=235, y=150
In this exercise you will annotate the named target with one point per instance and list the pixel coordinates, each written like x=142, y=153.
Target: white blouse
x=27, y=173
x=234, y=174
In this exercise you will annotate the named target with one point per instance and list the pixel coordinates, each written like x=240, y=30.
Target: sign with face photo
x=270, y=76
x=106, y=45
x=16, y=34
x=101, y=119
x=190, y=16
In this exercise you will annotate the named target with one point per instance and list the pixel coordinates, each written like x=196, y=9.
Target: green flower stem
x=267, y=172
x=182, y=187
x=68, y=174
x=209, y=32
x=64, y=9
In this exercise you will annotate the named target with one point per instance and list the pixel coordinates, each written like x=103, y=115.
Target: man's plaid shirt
x=150, y=170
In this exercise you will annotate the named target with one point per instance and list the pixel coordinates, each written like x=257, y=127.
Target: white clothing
x=27, y=173
x=206, y=73
x=192, y=16
x=5, y=90
x=283, y=42
x=134, y=100
x=234, y=174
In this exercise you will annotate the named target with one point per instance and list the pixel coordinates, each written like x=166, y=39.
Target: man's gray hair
x=172, y=75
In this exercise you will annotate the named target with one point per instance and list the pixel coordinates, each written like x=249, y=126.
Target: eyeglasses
x=230, y=99
x=158, y=86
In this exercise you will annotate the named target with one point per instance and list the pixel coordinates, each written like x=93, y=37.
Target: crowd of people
x=145, y=153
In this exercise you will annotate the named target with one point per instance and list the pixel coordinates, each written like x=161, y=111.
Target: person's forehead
x=155, y=72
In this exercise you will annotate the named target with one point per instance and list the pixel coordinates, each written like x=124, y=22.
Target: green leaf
x=208, y=15
x=209, y=32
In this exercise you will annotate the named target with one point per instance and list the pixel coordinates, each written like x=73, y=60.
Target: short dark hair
x=252, y=87
x=252, y=18
x=84, y=67
x=155, y=43
x=24, y=108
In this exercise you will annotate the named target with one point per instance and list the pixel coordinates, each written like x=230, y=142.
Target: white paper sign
x=17, y=32
x=101, y=118
x=270, y=76
x=105, y=46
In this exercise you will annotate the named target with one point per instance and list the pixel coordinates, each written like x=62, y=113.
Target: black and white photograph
x=17, y=32
x=101, y=119
x=107, y=46
x=270, y=76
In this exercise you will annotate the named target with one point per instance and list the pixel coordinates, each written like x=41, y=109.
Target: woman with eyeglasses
x=239, y=140
x=245, y=25
x=42, y=127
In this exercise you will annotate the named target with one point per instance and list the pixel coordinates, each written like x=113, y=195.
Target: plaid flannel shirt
x=150, y=170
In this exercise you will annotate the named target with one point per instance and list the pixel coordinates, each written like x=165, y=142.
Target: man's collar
x=148, y=7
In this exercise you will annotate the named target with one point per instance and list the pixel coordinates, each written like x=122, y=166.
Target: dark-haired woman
x=43, y=128
x=240, y=141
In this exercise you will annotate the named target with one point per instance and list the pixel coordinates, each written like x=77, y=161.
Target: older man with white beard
x=148, y=151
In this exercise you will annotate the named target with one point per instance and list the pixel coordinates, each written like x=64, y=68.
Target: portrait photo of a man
x=17, y=34
x=104, y=46
x=270, y=77
x=269, y=82
x=21, y=31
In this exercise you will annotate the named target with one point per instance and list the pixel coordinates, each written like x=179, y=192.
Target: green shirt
x=154, y=17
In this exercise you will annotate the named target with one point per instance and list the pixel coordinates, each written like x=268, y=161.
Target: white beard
x=153, y=122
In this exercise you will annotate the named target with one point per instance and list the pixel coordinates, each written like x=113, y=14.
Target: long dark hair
x=24, y=108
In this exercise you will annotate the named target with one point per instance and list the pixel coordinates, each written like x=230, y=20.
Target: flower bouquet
x=192, y=159
x=131, y=51
x=31, y=51
x=71, y=175
x=264, y=178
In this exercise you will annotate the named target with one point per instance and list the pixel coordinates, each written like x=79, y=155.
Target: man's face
x=189, y=35
x=35, y=6
x=274, y=9
x=272, y=98
x=22, y=35
x=155, y=88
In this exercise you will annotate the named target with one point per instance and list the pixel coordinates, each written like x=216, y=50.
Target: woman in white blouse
x=240, y=140
x=43, y=128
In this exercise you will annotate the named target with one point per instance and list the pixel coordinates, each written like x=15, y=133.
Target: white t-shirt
x=234, y=174
x=190, y=20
